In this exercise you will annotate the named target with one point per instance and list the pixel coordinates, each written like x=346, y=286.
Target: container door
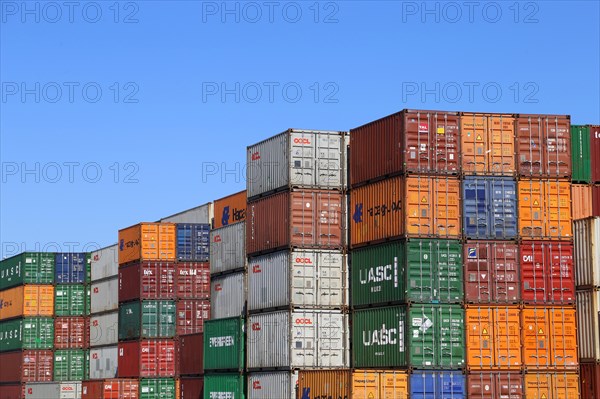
x=332, y=339
x=329, y=216
x=534, y=263
x=423, y=344
x=329, y=277
x=530, y=146
x=560, y=273
x=475, y=208
x=303, y=148
x=330, y=160
x=450, y=320
x=502, y=144
x=531, y=209
x=564, y=338
x=507, y=338
x=444, y=143
x=480, y=338
x=303, y=218
x=558, y=209
x=421, y=269
x=447, y=208
x=557, y=132
x=478, y=272
x=474, y=144
x=536, y=338
x=419, y=207
x=503, y=215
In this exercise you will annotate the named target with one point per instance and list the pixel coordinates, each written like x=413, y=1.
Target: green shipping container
x=581, y=154
x=378, y=337
x=224, y=344
x=415, y=270
x=70, y=300
x=27, y=268
x=157, y=388
x=88, y=268
x=230, y=386
x=88, y=299
x=27, y=333
x=147, y=319
x=71, y=365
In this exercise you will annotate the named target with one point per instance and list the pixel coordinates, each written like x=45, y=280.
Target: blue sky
x=116, y=113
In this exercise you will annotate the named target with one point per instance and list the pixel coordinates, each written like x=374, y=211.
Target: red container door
x=193, y=280
x=444, y=150
x=92, y=390
x=129, y=359
x=147, y=280
x=191, y=315
x=561, y=273
x=191, y=388
x=530, y=141
x=38, y=366
x=328, y=219
x=533, y=272
x=71, y=332
x=121, y=388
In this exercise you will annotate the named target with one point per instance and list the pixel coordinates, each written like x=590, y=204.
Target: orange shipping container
x=493, y=337
x=147, y=241
x=381, y=384
x=581, y=195
x=551, y=386
x=549, y=338
x=230, y=209
x=545, y=209
x=416, y=206
x=27, y=301
x=488, y=144
x=325, y=383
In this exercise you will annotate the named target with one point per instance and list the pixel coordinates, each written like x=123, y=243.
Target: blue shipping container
x=490, y=208
x=437, y=385
x=193, y=242
x=70, y=268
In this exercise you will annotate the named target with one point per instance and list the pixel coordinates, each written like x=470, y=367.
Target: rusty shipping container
x=191, y=354
x=147, y=241
x=192, y=280
x=147, y=358
x=405, y=207
x=26, y=366
x=27, y=300
x=491, y=272
x=115, y=388
x=547, y=272
x=581, y=198
x=383, y=384
x=190, y=315
x=549, y=338
x=299, y=218
x=147, y=280
x=548, y=385
x=587, y=252
x=71, y=332
x=230, y=209
x=589, y=375
x=545, y=209
x=544, y=145
x=488, y=144
x=493, y=337
x=410, y=141
x=495, y=385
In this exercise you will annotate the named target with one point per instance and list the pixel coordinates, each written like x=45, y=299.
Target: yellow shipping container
x=380, y=384
x=147, y=241
x=27, y=301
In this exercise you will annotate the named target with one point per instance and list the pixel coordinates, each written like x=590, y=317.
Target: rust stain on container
x=495, y=385
x=488, y=144
x=545, y=209
x=405, y=207
x=147, y=241
x=300, y=218
x=230, y=209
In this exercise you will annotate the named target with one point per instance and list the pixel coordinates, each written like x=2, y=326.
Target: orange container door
x=474, y=144
x=365, y=384
x=304, y=214
x=564, y=338
x=531, y=209
x=329, y=219
x=536, y=338
x=447, y=207
x=538, y=386
x=507, y=331
x=565, y=386
x=480, y=344
x=31, y=303
x=394, y=385
x=166, y=241
x=419, y=207
x=149, y=240
x=46, y=300
x=502, y=144
x=581, y=196
x=558, y=211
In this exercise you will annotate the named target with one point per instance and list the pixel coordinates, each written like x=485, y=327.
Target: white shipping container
x=105, y=262
x=298, y=339
x=588, y=325
x=298, y=278
x=281, y=384
x=200, y=214
x=297, y=158
x=103, y=362
x=228, y=295
x=105, y=295
x=104, y=329
x=228, y=248
x=587, y=252
x=53, y=390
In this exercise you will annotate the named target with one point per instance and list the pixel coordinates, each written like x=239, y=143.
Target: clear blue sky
x=166, y=119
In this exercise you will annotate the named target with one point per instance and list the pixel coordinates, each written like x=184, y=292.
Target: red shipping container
x=495, y=385
x=191, y=388
x=147, y=358
x=26, y=366
x=117, y=388
x=191, y=353
x=547, y=272
x=300, y=218
x=491, y=272
x=12, y=391
x=596, y=200
x=544, y=145
x=193, y=280
x=71, y=332
x=147, y=280
x=589, y=377
x=191, y=315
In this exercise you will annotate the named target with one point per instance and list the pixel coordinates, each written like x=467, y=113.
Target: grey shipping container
x=105, y=262
x=53, y=390
x=280, y=384
x=588, y=325
x=228, y=295
x=104, y=329
x=105, y=295
x=228, y=248
x=199, y=214
x=587, y=252
x=103, y=362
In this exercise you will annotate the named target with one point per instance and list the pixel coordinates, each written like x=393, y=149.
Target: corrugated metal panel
x=387, y=384
x=298, y=339
x=12, y=391
x=147, y=242
x=588, y=325
x=105, y=295
x=581, y=198
x=544, y=209
x=297, y=158
x=71, y=332
x=27, y=333
x=490, y=208
x=192, y=280
x=199, y=214
x=70, y=300
x=230, y=209
x=225, y=386
x=26, y=366
x=105, y=262
x=228, y=296
x=70, y=365
x=595, y=152
x=191, y=354
x=298, y=278
x=157, y=388
x=28, y=300
x=191, y=388
x=70, y=268
x=580, y=154
x=324, y=383
x=104, y=329
x=103, y=362
x=228, y=248
x=590, y=380
x=551, y=385
x=495, y=385
x=193, y=242
x=224, y=344
x=121, y=388
x=147, y=319
x=587, y=252
x=280, y=384
x=437, y=384
x=27, y=268
x=53, y=390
